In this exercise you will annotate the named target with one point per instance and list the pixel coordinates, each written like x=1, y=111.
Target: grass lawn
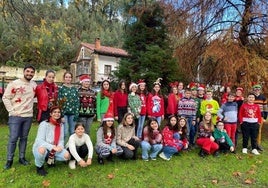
x=184, y=170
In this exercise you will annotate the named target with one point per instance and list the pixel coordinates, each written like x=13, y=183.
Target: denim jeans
x=87, y=121
x=158, y=119
x=146, y=148
x=19, y=127
x=169, y=151
x=68, y=126
x=191, y=130
x=140, y=126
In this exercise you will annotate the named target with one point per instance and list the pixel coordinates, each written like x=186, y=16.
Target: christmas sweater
x=172, y=107
x=103, y=104
x=262, y=102
x=204, y=132
x=155, y=105
x=156, y=138
x=171, y=138
x=250, y=113
x=87, y=98
x=143, y=99
x=228, y=112
x=107, y=140
x=134, y=103
x=120, y=100
x=19, y=98
x=187, y=108
x=70, y=99
x=222, y=137
x=211, y=106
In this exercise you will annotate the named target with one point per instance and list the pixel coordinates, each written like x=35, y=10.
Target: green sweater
x=212, y=106
x=102, y=105
x=222, y=134
x=134, y=103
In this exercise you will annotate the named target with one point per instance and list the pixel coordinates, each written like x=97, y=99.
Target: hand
x=212, y=138
x=82, y=163
x=130, y=147
x=232, y=148
x=114, y=150
x=89, y=161
x=193, y=122
x=62, y=120
x=57, y=148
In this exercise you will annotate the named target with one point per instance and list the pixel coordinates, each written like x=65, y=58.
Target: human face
x=156, y=88
x=194, y=93
x=230, y=98
x=187, y=94
x=55, y=114
x=238, y=93
x=123, y=86
x=79, y=131
x=85, y=84
x=129, y=119
x=109, y=123
x=134, y=89
x=251, y=98
x=201, y=92
x=142, y=87
x=175, y=90
x=106, y=85
x=50, y=77
x=257, y=91
x=209, y=95
x=182, y=122
x=207, y=116
x=67, y=78
x=28, y=74
x=154, y=125
x=173, y=121
x=220, y=126
x=180, y=86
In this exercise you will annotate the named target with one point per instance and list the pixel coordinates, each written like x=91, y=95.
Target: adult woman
x=49, y=142
x=120, y=101
x=47, y=94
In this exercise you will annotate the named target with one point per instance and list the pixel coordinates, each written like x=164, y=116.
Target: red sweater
x=120, y=100
x=143, y=98
x=172, y=107
x=155, y=105
x=250, y=113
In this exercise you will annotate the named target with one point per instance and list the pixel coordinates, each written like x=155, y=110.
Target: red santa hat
x=141, y=82
x=132, y=85
x=201, y=87
x=84, y=78
x=108, y=116
x=192, y=86
x=240, y=89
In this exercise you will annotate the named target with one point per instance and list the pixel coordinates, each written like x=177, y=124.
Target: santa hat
x=201, y=87
x=240, y=89
x=108, y=116
x=141, y=82
x=84, y=78
x=192, y=86
x=131, y=85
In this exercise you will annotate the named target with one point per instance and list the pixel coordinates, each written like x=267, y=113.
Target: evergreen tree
x=146, y=41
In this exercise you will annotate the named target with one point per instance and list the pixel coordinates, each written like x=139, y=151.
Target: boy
x=250, y=118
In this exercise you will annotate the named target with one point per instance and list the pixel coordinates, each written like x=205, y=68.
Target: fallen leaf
x=239, y=157
x=214, y=181
x=248, y=181
x=46, y=183
x=110, y=176
x=237, y=174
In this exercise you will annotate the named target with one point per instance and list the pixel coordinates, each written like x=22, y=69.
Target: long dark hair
x=121, y=82
x=105, y=128
x=159, y=93
x=183, y=129
x=176, y=126
x=150, y=130
x=102, y=89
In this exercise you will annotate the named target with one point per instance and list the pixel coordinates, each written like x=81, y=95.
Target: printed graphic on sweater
x=156, y=104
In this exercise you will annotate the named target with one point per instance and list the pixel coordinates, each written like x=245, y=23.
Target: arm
x=100, y=138
x=119, y=137
x=41, y=136
x=9, y=94
x=98, y=106
x=89, y=146
x=220, y=112
x=72, y=148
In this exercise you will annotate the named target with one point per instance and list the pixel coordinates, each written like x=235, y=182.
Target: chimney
x=97, y=43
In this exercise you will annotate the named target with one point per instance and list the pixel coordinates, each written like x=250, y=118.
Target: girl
x=173, y=99
x=152, y=140
x=106, y=140
x=205, y=137
x=126, y=137
x=104, y=100
x=134, y=102
x=155, y=102
x=68, y=96
x=47, y=94
x=49, y=142
x=142, y=92
x=120, y=101
x=171, y=139
x=183, y=132
x=80, y=146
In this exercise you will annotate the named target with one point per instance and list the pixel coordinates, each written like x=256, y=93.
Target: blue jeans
x=169, y=151
x=87, y=121
x=19, y=127
x=140, y=126
x=191, y=130
x=146, y=148
x=158, y=119
x=68, y=126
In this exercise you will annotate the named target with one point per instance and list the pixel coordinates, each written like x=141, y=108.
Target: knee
x=42, y=150
x=67, y=156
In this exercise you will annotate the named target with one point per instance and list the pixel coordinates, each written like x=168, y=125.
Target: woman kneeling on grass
x=205, y=137
x=49, y=142
x=79, y=145
x=106, y=141
x=126, y=138
x=172, y=139
x=152, y=140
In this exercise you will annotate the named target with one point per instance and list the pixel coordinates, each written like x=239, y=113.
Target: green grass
x=185, y=170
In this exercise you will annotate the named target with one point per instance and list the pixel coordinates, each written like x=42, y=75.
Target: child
x=250, y=119
x=142, y=91
x=171, y=139
x=155, y=102
x=173, y=99
x=125, y=137
x=106, y=141
x=134, y=102
x=183, y=132
x=228, y=114
x=120, y=101
x=152, y=140
x=222, y=138
x=205, y=137
x=79, y=145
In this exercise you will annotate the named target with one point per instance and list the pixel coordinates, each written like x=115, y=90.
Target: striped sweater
x=187, y=108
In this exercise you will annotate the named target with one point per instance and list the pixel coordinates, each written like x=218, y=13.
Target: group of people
x=65, y=114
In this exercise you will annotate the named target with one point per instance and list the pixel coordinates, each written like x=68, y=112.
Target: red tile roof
x=106, y=50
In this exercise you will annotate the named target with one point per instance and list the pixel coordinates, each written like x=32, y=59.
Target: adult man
x=18, y=100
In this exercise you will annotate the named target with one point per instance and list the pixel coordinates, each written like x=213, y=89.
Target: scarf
x=107, y=93
x=56, y=130
x=50, y=89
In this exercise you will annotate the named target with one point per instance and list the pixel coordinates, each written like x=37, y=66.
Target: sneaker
x=146, y=160
x=72, y=164
x=153, y=159
x=163, y=156
x=255, y=152
x=245, y=150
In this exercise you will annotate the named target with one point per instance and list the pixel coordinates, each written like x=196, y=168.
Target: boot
x=41, y=171
x=110, y=157
x=8, y=164
x=100, y=160
x=201, y=153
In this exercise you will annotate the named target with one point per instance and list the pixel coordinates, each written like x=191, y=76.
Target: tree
x=146, y=41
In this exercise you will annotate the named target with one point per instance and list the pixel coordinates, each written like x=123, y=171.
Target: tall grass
x=184, y=170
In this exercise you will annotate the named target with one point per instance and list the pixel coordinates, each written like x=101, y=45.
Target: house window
x=107, y=69
x=83, y=67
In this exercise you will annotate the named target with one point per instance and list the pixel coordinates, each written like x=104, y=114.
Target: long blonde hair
x=208, y=125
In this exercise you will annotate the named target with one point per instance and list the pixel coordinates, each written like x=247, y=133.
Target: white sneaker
x=245, y=150
x=72, y=164
x=255, y=152
x=163, y=156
